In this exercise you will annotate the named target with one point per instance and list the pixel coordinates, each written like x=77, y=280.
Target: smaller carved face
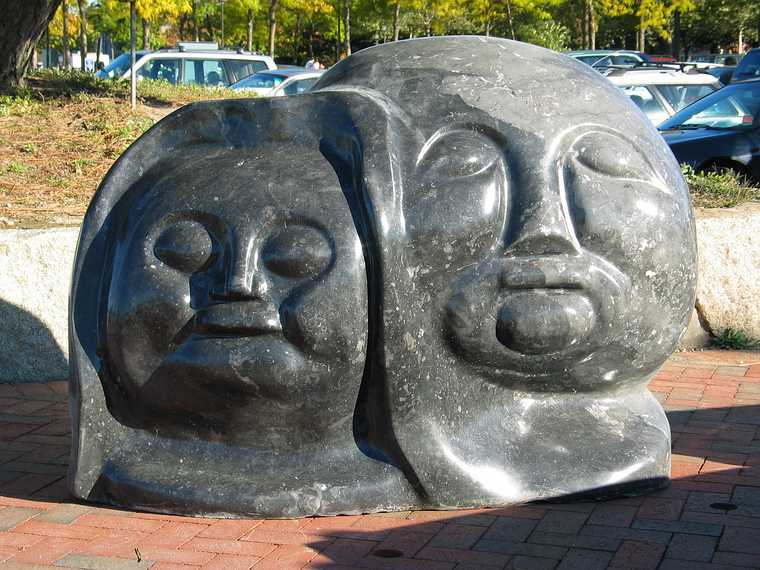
x=238, y=301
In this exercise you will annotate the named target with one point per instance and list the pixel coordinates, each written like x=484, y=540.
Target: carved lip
x=238, y=318
x=553, y=272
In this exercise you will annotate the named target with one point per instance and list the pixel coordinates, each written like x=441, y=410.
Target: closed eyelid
x=613, y=156
x=453, y=142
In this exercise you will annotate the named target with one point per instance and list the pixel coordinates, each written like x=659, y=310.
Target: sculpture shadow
x=28, y=351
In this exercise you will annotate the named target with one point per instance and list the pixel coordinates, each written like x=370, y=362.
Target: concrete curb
x=35, y=275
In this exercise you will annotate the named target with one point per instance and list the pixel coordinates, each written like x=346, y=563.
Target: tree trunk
x=210, y=28
x=337, y=36
x=675, y=48
x=591, y=24
x=65, y=40
x=145, y=33
x=82, y=4
x=740, y=42
x=396, y=18
x=311, y=40
x=297, y=40
x=21, y=26
x=272, y=24
x=249, y=39
x=641, y=37
x=347, y=27
x=511, y=23
x=196, y=35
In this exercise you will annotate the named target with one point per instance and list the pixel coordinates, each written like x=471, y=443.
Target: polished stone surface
x=442, y=279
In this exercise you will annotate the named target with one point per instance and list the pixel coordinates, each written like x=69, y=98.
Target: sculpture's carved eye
x=457, y=154
x=461, y=196
x=611, y=156
x=297, y=251
x=185, y=245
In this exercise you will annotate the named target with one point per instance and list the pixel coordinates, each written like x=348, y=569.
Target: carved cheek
x=621, y=210
x=148, y=304
x=330, y=328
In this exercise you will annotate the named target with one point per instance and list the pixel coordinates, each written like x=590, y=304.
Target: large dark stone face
x=222, y=312
x=442, y=278
x=538, y=266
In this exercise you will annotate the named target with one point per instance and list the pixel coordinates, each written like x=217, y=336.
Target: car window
x=737, y=109
x=260, y=81
x=749, y=66
x=160, y=70
x=645, y=100
x=589, y=59
x=204, y=72
x=679, y=96
x=239, y=69
x=299, y=86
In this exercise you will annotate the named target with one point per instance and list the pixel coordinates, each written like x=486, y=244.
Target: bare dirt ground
x=54, y=153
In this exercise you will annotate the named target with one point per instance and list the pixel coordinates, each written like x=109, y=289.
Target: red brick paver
x=709, y=518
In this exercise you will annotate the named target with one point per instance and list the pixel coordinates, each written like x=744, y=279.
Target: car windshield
x=116, y=68
x=730, y=107
x=259, y=81
x=679, y=96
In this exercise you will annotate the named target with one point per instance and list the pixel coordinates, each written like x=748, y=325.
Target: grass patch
x=46, y=84
x=719, y=189
x=733, y=339
x=15, y=167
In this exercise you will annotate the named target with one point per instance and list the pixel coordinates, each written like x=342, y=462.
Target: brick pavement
x=708, y=519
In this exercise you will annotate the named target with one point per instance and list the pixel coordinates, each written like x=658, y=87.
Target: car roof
x=602, y=52
x=644, y=76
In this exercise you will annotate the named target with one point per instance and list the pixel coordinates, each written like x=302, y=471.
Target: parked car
x=749, y=66
x=610, y=57
x=717, y=58
x=661, y=92
x=722, y=72
x=190, y=63
x=280, y=82
x=719, y=131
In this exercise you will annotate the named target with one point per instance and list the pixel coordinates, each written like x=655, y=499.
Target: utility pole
x=133, y=52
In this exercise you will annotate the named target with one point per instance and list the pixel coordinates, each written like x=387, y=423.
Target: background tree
x=82, y=5
x=22, y=24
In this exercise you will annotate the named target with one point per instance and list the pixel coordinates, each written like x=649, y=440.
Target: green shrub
x=733, y=339
x=719, y=189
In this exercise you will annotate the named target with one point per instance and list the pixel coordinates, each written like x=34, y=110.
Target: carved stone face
x=547, y=252
x=556, y=274
x=222, y=313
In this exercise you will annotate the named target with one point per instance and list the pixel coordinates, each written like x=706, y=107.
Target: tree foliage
x=303, y=29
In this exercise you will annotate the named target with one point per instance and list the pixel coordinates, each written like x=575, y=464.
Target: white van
x=190, y=63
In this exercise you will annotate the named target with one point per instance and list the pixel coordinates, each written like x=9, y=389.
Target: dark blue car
x=719, y=131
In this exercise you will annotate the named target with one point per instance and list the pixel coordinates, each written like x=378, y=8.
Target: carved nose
x=544, y=226
x=240, y=280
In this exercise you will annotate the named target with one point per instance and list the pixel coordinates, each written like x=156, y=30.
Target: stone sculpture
x=441, y=279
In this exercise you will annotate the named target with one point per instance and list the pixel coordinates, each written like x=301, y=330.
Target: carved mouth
x=239, y=318
x=546, y=302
